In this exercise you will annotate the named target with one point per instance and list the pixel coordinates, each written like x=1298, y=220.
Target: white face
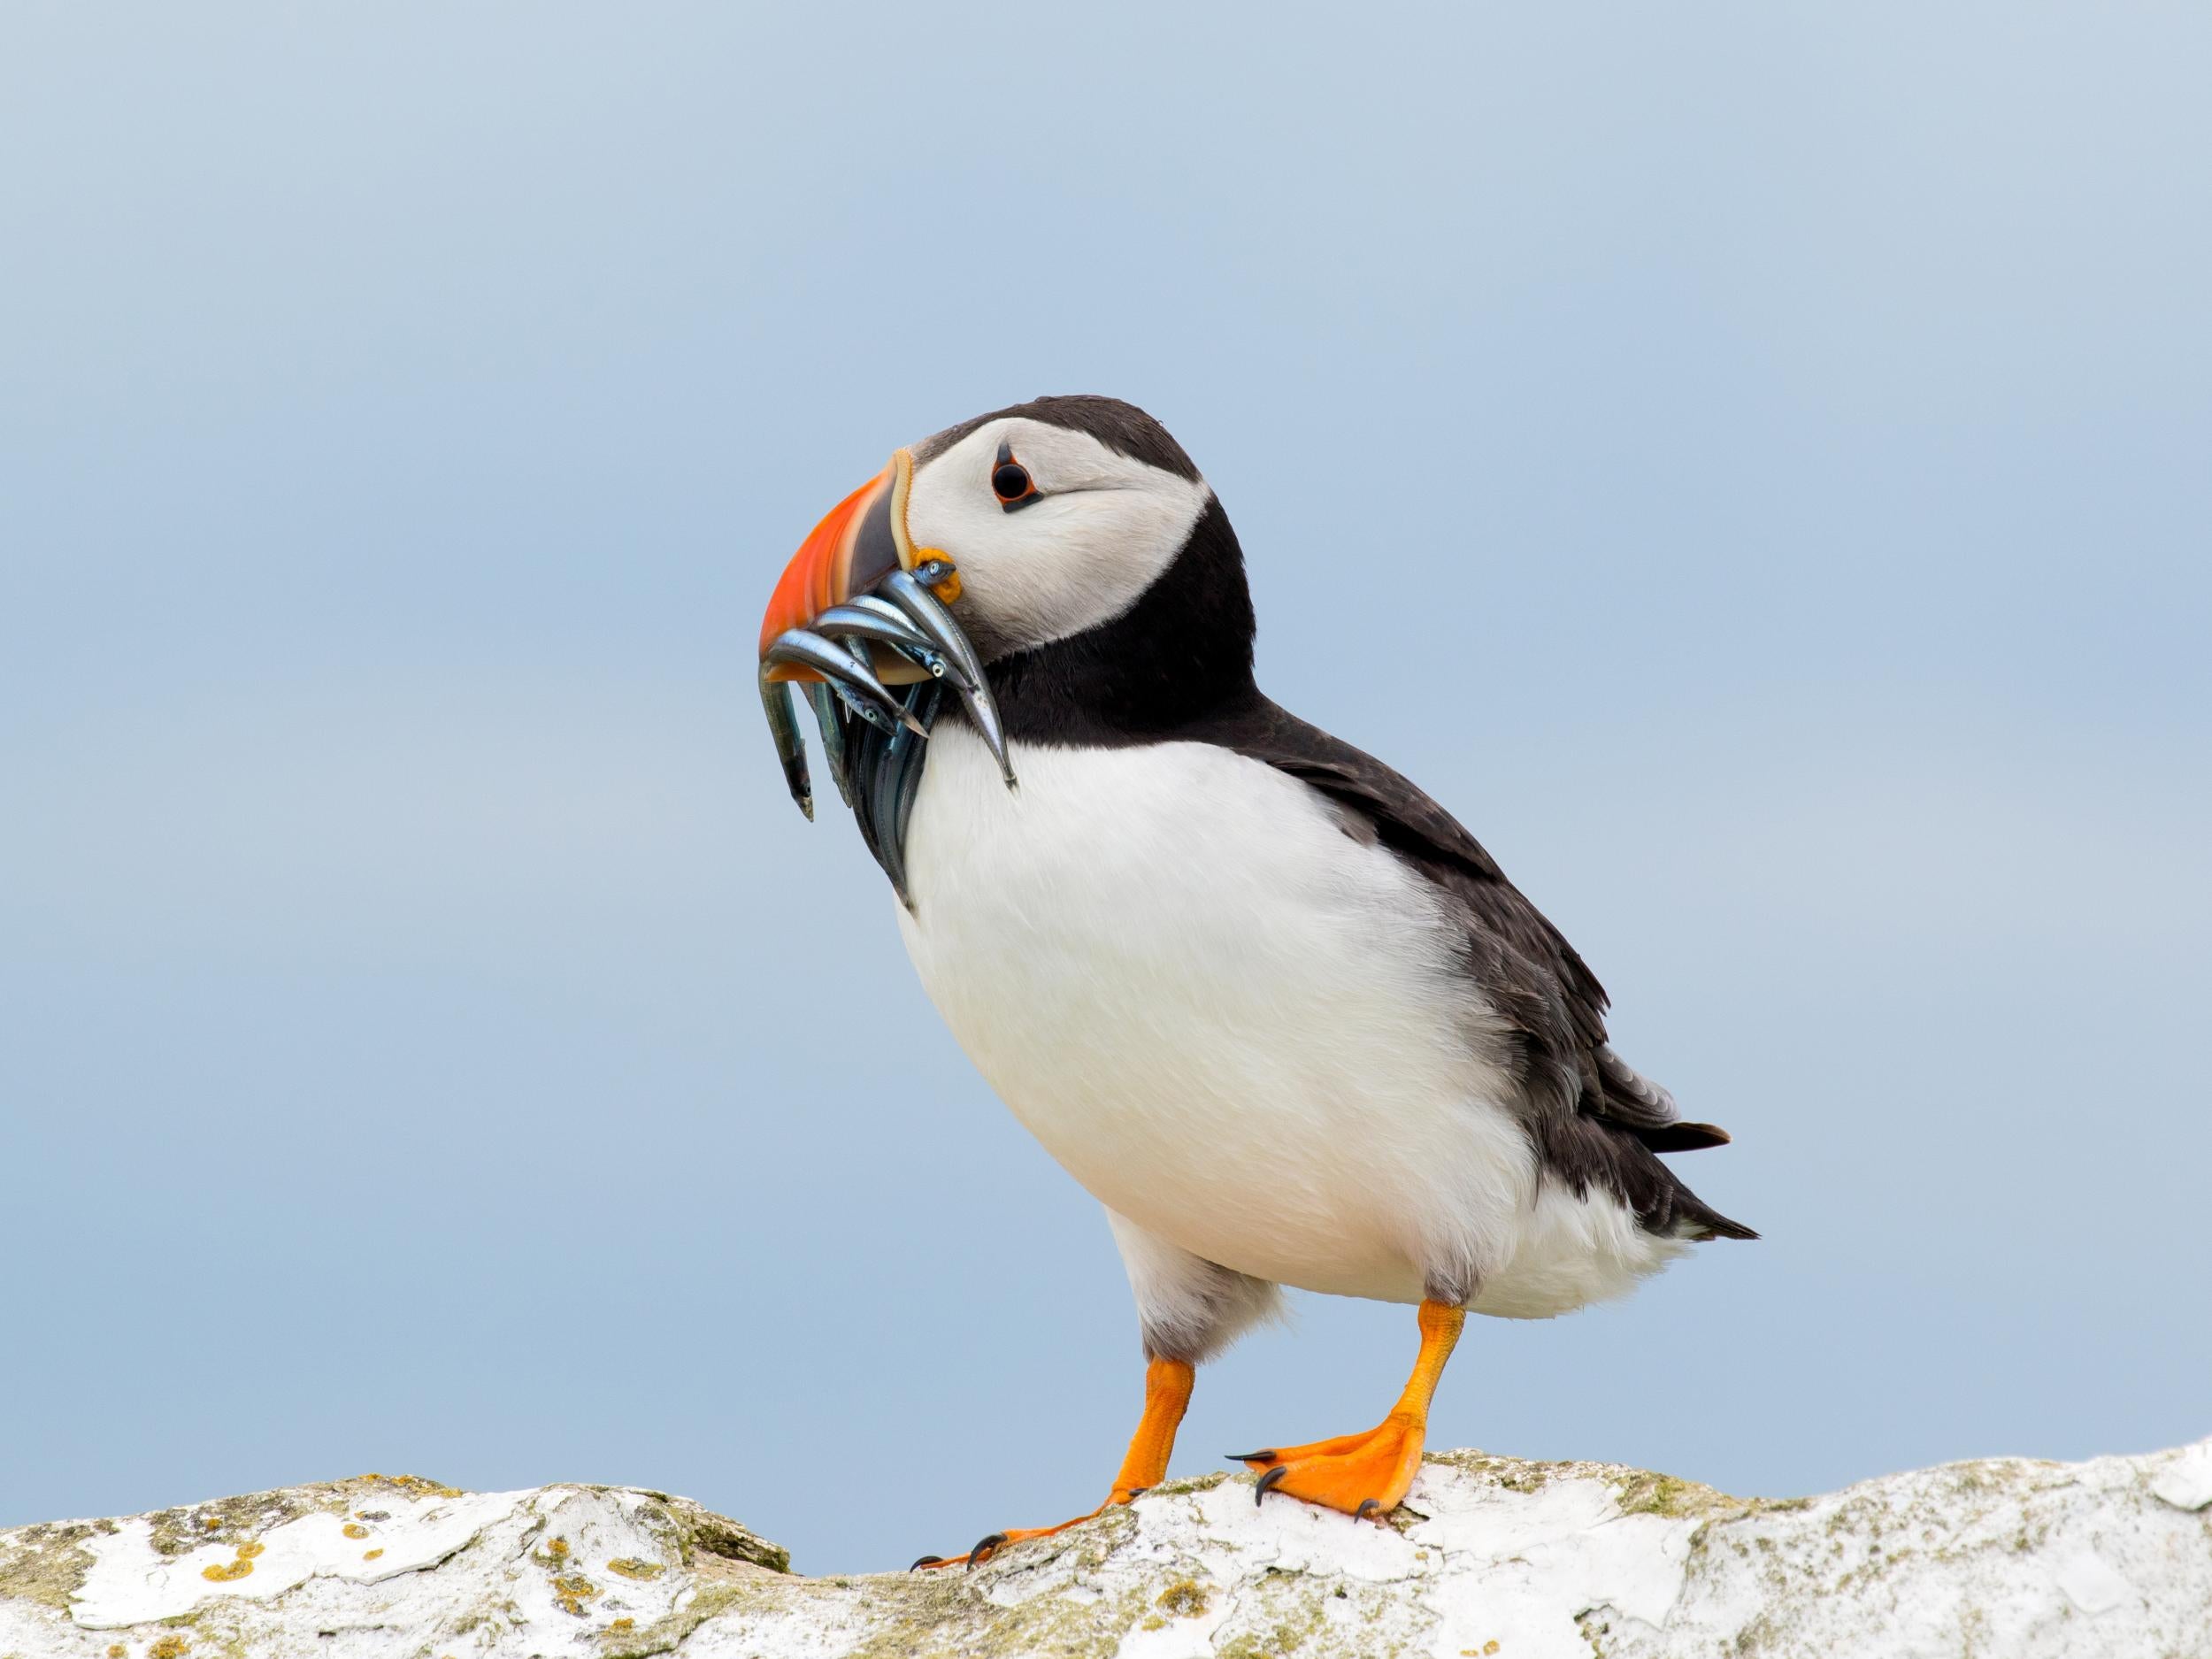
x=1101, y=530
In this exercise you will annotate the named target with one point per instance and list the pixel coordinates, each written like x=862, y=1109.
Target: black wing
x=1594, y=1116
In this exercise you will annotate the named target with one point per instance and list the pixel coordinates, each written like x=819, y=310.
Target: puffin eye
x=1011, y=481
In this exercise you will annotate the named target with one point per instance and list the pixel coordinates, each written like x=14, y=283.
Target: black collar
x=1181, y=655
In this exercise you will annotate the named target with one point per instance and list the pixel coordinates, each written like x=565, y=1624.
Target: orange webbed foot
x=1167, y=1385
x=990, y=1546
x=1369, y=1473
x=1360, y=1474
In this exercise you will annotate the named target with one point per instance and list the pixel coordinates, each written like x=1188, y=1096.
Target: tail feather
x=1679, y=1137
x=1693, y=1218
x=1588, y=1152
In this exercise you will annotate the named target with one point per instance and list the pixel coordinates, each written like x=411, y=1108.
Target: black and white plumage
x=1272, y=1005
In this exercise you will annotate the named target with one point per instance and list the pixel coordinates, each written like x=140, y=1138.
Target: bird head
x=1068, y=541
x=1032, y=523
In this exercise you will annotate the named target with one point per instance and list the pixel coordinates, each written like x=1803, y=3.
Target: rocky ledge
x=1489, y=1556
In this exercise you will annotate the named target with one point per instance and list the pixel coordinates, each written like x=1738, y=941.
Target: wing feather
x=1552, y=1005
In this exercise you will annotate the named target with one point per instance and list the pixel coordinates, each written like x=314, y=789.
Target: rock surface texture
x=2110, y=1559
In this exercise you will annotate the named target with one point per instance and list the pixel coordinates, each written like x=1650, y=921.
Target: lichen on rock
x=2006, y=1559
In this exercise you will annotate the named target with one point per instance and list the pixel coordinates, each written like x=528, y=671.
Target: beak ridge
x=860, y=609
x=858, y=542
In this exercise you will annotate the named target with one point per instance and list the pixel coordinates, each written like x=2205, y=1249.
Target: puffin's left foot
x=1167, y=1385
x=1360, y=1474
x=1367, y=1474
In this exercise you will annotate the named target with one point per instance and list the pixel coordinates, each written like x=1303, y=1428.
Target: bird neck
x=1180, y=655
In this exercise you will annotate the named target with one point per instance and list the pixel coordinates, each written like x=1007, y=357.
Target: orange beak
x=858, y=542
x=828, y=624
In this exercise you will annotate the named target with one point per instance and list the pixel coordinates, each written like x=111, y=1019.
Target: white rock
x=2186, y=1481
x=1491, y=1557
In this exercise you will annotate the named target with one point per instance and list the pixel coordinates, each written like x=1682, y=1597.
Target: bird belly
x=1230, y=1021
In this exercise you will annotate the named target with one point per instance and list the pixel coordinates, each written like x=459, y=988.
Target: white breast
x=1230, y=1021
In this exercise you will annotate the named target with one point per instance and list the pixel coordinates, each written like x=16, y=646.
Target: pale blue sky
x=428, y=1038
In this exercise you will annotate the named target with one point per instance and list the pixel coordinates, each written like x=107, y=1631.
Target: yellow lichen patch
x=631, y=1567
x=212, y=1523
x=116, y=1650
x=354, y=1529
x=621, y=1623
x=371, y=1555
x=415, y=1486
x=558, y=1549
x=170, y=1646
x=572, y=1590
x=247, y=1552
x=224, y=1571
x=1186, y=1599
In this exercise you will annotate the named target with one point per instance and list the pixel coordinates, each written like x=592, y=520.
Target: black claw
x=1267, y=1456
x=985, y=1549
x=1136, y=1491
x=1366, y=1504
x=1268, y=1481
x=926, y=1561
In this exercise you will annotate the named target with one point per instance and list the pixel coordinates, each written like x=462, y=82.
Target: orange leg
x=1367, y=1473
x=1167, y=1385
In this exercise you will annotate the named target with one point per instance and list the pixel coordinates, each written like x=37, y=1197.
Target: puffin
x=1265, y=1000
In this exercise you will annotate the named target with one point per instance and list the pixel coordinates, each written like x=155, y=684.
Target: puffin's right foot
x=988, y=1547
x=1167, y=1385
